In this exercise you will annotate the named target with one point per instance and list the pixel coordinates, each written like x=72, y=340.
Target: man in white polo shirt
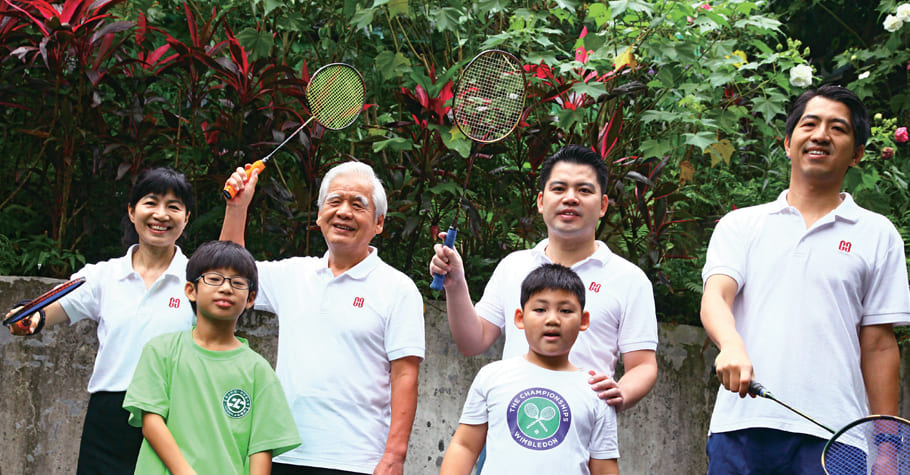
x=802, y=294
x=572, y=199
x=351, y=332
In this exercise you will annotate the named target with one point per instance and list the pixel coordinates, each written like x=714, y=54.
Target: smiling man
x=802, y=293
x=351, y=332
x=572, y=200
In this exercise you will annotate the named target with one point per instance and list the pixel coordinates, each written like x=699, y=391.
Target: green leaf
x=598, y=13
x=654, y=148
x=453, y=138
x=257, y=44
x=399, y=7
x=392, y=65
x=363, y=18
x=270, y=5
x=595, y=90
x=395, y=144
x=568, y=117
x=702, y=140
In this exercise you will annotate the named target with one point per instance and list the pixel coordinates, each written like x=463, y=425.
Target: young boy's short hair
x=552, y=277
x=222, y=254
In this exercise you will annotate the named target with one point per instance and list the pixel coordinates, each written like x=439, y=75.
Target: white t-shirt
x=337, y=337
x=128, y=314
x=802, y=297
x=539, y=420
x=618, y=296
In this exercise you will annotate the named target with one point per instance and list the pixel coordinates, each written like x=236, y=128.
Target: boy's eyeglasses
x=215, y=279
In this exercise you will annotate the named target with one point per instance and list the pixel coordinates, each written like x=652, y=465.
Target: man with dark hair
x=572, y=199
x=802, y=293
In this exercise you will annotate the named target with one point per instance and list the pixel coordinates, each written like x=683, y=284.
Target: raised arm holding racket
x=336, y=94
x=806, y=290
x=487, y=103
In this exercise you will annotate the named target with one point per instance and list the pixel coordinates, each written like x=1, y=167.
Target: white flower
x=903, y=12
x=863, y=75
x=801, y=75
x=892, y=23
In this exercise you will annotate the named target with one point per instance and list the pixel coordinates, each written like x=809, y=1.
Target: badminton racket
x=336, y=94
x=487, y=103
x=876, y=444
x=43, y=300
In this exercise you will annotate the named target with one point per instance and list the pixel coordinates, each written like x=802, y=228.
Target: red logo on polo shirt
x=594, y=287
x=844, y=246
x=358, y=302
x=174, y=303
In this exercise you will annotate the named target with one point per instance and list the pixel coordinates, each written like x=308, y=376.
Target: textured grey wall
x=43, y=397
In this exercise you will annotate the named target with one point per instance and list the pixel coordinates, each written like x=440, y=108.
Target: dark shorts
x=109, y=444
x=287, y=469
x=768, y=451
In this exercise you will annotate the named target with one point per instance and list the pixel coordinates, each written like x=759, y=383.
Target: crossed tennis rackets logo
x=538, y=418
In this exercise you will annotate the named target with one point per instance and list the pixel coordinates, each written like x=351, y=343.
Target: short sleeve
x=148, y=391
x=638, y=328
x=604, y=436
x=84, y=302
x=273, y=426
x=475, y=406
x=405, y=325
x=490, y=306
x=888, y=298
x=727, y=250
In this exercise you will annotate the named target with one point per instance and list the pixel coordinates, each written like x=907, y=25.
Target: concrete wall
x=43, y=397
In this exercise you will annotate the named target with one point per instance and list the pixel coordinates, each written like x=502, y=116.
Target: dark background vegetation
x=689, y=121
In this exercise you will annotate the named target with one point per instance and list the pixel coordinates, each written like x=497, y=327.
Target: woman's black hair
x=158, y=181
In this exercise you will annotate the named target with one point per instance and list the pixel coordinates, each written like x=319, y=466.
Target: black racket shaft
x=756, y=389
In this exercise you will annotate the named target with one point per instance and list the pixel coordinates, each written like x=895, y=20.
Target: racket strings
x=336, y=96
x=876, y=445
x=489, y=97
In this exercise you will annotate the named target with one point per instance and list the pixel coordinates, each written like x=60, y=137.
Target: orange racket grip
x=229, y=191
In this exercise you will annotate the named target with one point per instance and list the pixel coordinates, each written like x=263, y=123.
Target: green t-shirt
x=220, y=406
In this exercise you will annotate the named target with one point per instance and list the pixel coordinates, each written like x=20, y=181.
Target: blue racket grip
x=438, y=279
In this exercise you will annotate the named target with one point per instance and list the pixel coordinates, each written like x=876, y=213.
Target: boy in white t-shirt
x=536, y=412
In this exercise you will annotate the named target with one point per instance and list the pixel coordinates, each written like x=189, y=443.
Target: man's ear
x=858, y=155
x=519, y=319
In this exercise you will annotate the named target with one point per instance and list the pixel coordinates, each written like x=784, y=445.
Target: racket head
x=874, y=444
x=336, y=94
x=489, y=97
x=44, y=300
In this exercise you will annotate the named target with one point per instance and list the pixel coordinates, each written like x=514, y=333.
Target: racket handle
x=756, y=389
x=229, y=191
x=438, y=279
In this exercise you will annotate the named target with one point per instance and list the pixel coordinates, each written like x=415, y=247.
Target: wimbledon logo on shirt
x=236, y=403
x=539, y=418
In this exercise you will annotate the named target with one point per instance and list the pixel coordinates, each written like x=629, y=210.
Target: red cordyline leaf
x=422, y=97
x=609, y=136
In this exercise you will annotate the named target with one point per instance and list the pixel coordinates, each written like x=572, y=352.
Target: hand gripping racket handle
x=438, y=279
x=229, y=191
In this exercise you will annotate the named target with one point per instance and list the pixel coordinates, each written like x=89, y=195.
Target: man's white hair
x=359, y=169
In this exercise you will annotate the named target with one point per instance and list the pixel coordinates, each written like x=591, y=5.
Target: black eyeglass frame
x=233, y=281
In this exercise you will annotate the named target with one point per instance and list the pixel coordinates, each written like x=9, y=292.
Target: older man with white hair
x=351, y=331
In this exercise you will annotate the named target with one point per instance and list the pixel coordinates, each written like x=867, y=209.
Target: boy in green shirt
x=206, y=402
